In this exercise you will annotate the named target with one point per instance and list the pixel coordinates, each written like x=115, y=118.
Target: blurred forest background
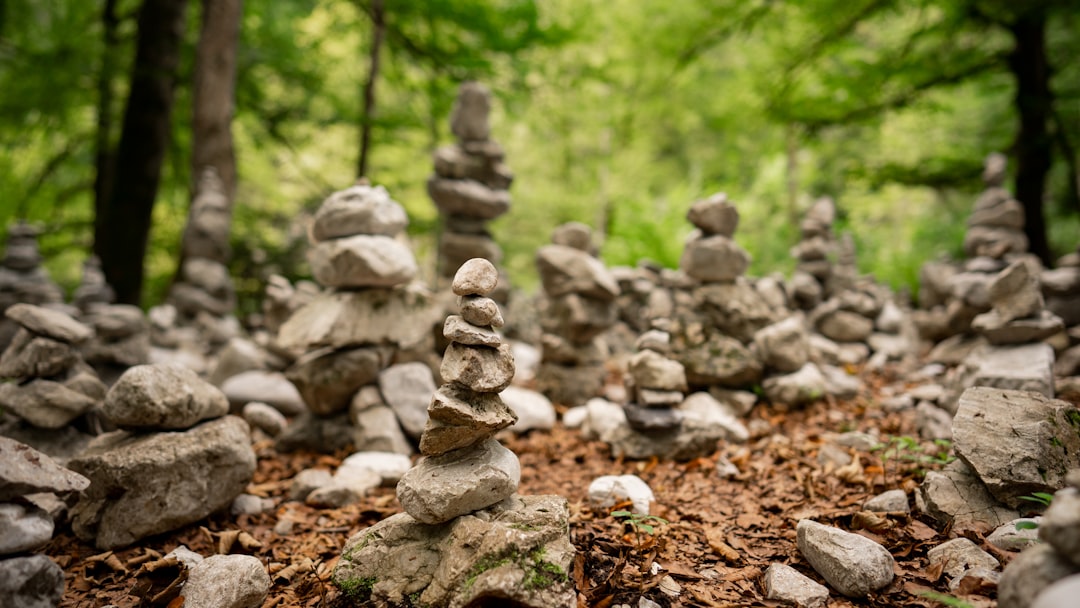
x=616, y=113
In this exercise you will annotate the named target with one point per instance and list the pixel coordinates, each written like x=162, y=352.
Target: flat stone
x=49, y=323
x=714, y=258
x=390, y=467
x=783, y=346
x=650, y=397
x=227, y=581
x=262, y=386
x=650, y=369
x=30, y=356
x=362, y=261
x=347, y=486
x=163, y=397
x=1060, y=525
x=853, y=565
x=711, y=412
x=604, y=492
x=44, y=403
x=1026, y=367
x=1008, y=537
x=959, y=555
x=652, y=419
x=1029, y=573
x=790, y=586
x=955, y=495
x=480, y=311
x=468, y=197
x=457, y=329
x=1018, y=442
x=440, y=488
x=1019, y=331
x=798, y=388
x=714, y=215
x=891, y=501
x=845, y=326
x=1014, y=293
x=24, y=470
x=478, y=368
x=117, y=321
x=516, y=553
x=359, y=210
x=459, y=418
x=135, y=492
x=31, y=582
x=565, y=270
x=23, y=528
x=408, y=388
x=376, y=427
x=721, y=360
x=327, y=379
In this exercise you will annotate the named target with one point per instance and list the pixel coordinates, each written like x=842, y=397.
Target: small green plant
x=907, y=449
x=1026, y=525
x=357, y=589
x=1042, y=498
x=947, y=600
x=639, y=521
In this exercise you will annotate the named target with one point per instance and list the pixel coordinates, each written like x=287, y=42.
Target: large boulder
x=149, y=484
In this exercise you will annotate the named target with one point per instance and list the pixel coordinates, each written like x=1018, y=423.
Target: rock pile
x=372, y=313
x=1017, y=313
x=465, y=538
x=52, y=385
x=22, y=279
x=470, y=184
x=813, y=254
x=93, y=290
x=27, y=478
x=151, y=476
x=577, y=308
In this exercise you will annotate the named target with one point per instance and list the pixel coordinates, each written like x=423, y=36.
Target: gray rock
x=695, y=438
x=469, y=116
x=407, y=388
x=24, y=470
x=271, y=388
x=853, y=565
x=23, y=528
x=402, y=316
x=607, y=490
x=481, y=311
x=1027, y=367
x=31, y=582
x=249, y=504
x=790, y=586
x=348, y=486
x=721, y=360
x=797, y=388
x=955, y=495
x=264, y=417
x=1035, y=569
x=783, y=346
x=839, y=383
x=227, y=581
x=136, y=492
x=714, y=258
x=845, y=326
x=377, y=427
x=478, y=368
x=569, y=385
x=44, y=403
x=1017, y=442
x=390, y=467
x=892, y=501
x=238, y=355
x=49, y=323
x=734, y=309
x=1008, y=537
x=573, y=234
x=1060, y=526
x=467, y=197
x=358, y=210
x=652, y=420
x=163, y=397
x=574, y=417
x=533, y=409
x=1014, y=293
x=932, y=422
x=440, y=488
x=515, y=553
x=1061, y=594
x=651, y=370
x=564, y=270
x=362, y=261
x=307, y=481
x=327, y=379
x=457, y=329
x=959, y=555
x=709, y=411
x=714, y=215
x=325, y=434
x=35, y=356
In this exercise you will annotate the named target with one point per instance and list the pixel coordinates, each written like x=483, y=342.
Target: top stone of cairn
x=469, y=118
x=476, y=277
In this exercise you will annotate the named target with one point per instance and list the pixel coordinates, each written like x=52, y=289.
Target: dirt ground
x=710, y=547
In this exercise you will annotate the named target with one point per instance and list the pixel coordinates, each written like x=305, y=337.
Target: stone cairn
x=122, y=338
x=577, y=308
x=371, y=313
x=22, y=278
x=30, y=483
x=474, y=539
x=470, y=185
x=93, y=290
x=175, y=436
x=813, y=254
x=53, y=386
x=203, y=293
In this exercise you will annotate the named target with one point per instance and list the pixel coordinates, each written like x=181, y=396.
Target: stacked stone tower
x=470, y=184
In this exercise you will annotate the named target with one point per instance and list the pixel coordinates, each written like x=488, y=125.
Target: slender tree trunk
x=215, y=92
x=792, y=170
x=378, y=32
x=1030, y=66
x=104, y=157
x=124, y=228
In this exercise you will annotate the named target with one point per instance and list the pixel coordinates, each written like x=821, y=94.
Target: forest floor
x=715, y=538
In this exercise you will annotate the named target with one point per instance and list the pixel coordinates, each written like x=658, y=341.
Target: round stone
x=481, y=310
x=476, y=277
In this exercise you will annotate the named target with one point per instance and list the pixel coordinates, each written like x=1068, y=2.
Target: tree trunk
x=1029, y=64
x=215, y=92
x=104, y=157
x=378, y=32
x=122, y=231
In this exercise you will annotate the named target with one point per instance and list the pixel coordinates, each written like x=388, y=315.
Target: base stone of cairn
x=465, y=538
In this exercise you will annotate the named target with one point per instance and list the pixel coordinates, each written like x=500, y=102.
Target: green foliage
x=946, y=600
x=1041, y=498
x=640, y=522
x=357, y=589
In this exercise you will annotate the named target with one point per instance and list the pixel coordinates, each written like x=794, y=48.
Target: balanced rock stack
x=29, y=477
x=204, y=287
x=813, y=254
x=470, y=185
x=996, y=225
x=53, y=385
x=578, y=307
x=345, y=336
x=176, y=436
x=1017, y=314
x=657, y=384
x=93, y=290
x=22, y=279
x=465, y=538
